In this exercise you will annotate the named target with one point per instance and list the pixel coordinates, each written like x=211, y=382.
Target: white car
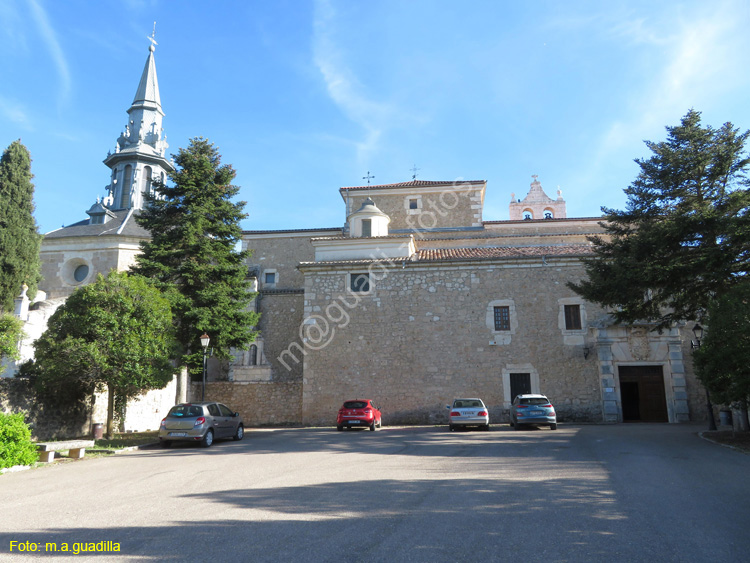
x=468, y=412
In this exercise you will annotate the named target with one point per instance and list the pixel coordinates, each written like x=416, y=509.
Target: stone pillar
x=22, y=304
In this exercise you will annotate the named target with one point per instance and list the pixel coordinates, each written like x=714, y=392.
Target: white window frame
x=276, y=278
x=501, y=337
x=572, y=337
x=407, y=204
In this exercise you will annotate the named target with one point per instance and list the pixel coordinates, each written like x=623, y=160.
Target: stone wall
x=259, y=403
x=53, y=421
x=47, y=421
x=280, y=321
x=281, y=253
x=60, y=257
x=452, y=207
x=421, y=337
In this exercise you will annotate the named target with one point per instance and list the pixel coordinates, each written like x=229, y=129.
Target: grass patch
x=739, y=440
x=126, y=440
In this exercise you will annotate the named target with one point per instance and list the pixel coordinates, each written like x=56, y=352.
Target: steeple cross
x=414, y=171
x=368, y=177
x=535, y=176
x=152, y=37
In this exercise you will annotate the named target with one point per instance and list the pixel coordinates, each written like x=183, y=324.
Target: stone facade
x=423, y=328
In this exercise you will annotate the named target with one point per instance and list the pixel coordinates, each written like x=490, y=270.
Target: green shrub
x=16, y=447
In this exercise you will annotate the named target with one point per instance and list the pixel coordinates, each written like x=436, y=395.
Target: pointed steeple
x=140, y=150
x=147, y=95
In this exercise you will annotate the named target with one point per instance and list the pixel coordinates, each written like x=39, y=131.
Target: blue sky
x=303, y=97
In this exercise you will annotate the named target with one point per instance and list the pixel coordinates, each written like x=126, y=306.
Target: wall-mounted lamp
x=586, y=351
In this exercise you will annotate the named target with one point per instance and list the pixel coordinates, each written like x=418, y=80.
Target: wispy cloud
x=343, y=86
x=58, y=56
x=699, y=57
x=14, y=113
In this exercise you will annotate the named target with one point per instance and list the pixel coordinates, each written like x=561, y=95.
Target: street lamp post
x=205, y=339
x=698, y=332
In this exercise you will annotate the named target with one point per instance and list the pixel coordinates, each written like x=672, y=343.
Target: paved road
x=581, y=493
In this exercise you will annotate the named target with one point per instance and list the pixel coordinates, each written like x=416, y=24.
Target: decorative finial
x=368, y=177
x=414, y=170
x=536, y=177
x=152, y=38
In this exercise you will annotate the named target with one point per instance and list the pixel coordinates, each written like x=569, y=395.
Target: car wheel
x=240, y=433
x=512, y=424
x=451, y=428
x=553, y=426
x=373, y=426
x=208, y=439
x=340, y=428
x=486, y=427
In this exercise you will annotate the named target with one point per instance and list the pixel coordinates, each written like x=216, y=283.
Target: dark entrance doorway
x=520, y=384
x=642, y=394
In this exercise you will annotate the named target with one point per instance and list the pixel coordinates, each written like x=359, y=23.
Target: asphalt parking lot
x=640, y=492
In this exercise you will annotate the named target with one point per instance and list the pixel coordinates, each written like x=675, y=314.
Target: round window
x=81, y=272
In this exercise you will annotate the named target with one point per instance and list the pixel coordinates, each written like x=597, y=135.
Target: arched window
x=528, y=215
x=147, y=180
x=127, y=181
x=253, y=359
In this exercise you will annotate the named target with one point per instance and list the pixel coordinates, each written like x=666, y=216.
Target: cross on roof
x=368, y=177
x=152, y=37
x=535, y=176
x=414, y=170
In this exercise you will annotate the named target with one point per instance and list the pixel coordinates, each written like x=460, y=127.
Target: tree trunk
x=744, y=424
x=110, y=412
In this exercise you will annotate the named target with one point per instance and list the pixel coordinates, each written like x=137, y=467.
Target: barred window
x=502, y=318
x=572, y=317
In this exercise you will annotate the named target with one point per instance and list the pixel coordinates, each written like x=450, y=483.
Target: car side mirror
x=236, y=414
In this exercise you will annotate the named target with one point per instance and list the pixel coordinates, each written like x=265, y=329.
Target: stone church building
x=418, y=299
x=414, y=300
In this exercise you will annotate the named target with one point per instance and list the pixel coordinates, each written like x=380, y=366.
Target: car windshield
x=534, y=401
x=185, y=411
x=467, y=403
x=355, y=404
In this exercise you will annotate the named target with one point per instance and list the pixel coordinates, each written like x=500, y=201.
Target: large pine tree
x=195, y=230
x=684, y=237
x=19, y=238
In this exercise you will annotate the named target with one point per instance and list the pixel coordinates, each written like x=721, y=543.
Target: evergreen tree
x=19, y=239
x=684, y=237
x=723, y=360
x=114, y=333
x=195, y=229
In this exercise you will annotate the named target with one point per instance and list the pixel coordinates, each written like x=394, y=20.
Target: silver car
x=468, y=412
x=200, y=422
x=532, y=409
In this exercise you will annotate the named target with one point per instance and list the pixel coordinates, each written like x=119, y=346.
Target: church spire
x=140, y=150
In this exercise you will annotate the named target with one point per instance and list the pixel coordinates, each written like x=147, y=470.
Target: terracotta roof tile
x=414, y=184
x=432, y=254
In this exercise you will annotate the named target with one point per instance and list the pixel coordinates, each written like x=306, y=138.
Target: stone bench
x=76, y=449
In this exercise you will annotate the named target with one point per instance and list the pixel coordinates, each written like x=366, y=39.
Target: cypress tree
x=19, y=237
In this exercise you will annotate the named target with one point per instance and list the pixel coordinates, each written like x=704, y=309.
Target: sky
x=303, y=97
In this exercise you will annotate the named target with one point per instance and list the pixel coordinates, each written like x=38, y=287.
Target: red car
x=358, y=413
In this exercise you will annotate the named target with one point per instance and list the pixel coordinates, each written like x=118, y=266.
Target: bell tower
x=139, y=158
